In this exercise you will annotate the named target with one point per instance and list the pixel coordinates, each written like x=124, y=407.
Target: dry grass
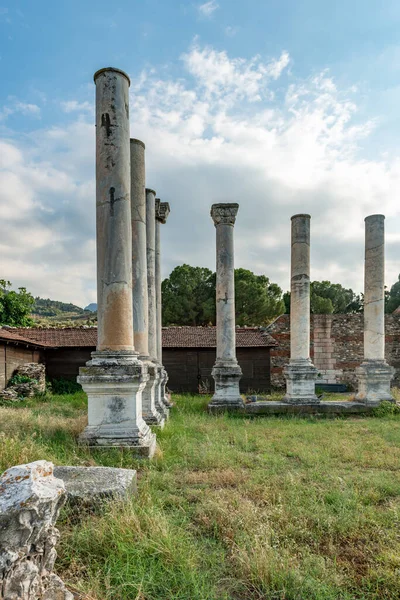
x=230, y=508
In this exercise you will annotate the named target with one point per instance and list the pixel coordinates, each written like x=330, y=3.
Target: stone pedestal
x=226, y=371
x=374, y=374
x=153, y=413
x=114, y=379
x=300, y=373
x=114, y=382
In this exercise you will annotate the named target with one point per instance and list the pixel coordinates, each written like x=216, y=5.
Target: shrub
x=61, y=386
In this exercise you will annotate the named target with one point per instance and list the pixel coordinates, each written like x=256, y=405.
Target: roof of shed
x=172, y=337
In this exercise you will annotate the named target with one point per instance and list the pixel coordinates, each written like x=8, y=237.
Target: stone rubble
x=30, y=502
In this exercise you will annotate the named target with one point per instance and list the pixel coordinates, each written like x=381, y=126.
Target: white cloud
x=208, y=8
x=75, y=106
x=16, y=106
x=229, y=129
x=231, y=31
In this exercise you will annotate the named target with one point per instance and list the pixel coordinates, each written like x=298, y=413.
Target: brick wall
x=336, y=347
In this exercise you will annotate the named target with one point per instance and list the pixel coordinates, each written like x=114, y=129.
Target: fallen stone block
x=90, y=485
x=30, y=502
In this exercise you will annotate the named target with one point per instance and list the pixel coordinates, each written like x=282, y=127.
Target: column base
x=374, y=377
x=158, y=393
x=164, y=380
x=300, y=378
x=114, y=382
x=227, y=393
x=150, y=413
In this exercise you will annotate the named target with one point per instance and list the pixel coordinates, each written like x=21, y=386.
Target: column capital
x=224, y=213
x=162, y=211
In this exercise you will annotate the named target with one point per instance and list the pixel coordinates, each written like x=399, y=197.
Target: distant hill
x=44, y=307
x=91, y=307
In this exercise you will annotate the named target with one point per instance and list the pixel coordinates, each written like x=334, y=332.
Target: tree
x=188, y=297
x=329, y=298
x=15, y=307
x=257, y=301
x=393, y=297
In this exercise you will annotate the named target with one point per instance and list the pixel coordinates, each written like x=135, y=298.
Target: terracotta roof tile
x=173, y=337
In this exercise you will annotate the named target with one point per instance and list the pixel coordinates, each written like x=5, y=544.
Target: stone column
x=152, y=296
x=162, y=212
x=114, y=378
x=139, y=279
x=300, y=374
x=374, y=374
x=226, y=371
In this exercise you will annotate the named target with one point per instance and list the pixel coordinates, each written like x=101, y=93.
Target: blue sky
x=284, y=106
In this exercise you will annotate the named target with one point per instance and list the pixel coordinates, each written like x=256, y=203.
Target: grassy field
x=230, y=508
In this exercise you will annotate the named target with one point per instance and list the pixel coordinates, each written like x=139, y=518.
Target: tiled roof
x=172, y=337
x=59, y=338
x=13, y=336
x=206, y=337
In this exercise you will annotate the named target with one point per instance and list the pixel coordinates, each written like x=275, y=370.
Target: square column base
x=114, y=382
x=374, y=377
x=300, y=378
x=151, y=415
x=227, y=393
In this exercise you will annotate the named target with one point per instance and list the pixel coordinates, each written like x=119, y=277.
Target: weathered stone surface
x=374, y=374
x=152, y=414
x=89, y=485
x=114, y=383
x=300, y=374
x=151, y=271
x=162, y=210
x=30, y=501
x=113, y=212
x=37, y=384
x=321, y=408
x=226, y=371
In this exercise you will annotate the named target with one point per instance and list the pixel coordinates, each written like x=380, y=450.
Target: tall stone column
x=152, y=297
x=162, y=212
x=226, y=371
x=300, y=374
x=139, y=279
x=374, y=374
x=114, y=378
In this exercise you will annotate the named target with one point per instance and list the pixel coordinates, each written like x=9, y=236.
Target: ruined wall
x=13, y=356
x=336, y=347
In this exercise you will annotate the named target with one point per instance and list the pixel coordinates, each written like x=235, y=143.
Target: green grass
x=230, y=508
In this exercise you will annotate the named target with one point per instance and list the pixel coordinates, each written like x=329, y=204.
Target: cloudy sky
x=284, y=106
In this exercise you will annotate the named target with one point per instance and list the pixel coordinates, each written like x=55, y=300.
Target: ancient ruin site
x=204, y=413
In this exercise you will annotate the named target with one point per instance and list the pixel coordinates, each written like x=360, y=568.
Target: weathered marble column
x=162, y=212
x=374, y=374
x=300, y=374
x=114, y=378
x=139, y=279
x=152, y=297
x=226, y=371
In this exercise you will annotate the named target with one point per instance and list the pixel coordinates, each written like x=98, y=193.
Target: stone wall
x=336, y=347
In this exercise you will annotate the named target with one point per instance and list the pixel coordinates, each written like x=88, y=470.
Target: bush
x=61, y=386
x=386, y=409
x=17, y=379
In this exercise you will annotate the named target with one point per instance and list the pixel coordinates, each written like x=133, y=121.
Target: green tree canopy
x=329, y=298
x=393, y=297
x=257, y=301
x=188, y=297
x=15, y=307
